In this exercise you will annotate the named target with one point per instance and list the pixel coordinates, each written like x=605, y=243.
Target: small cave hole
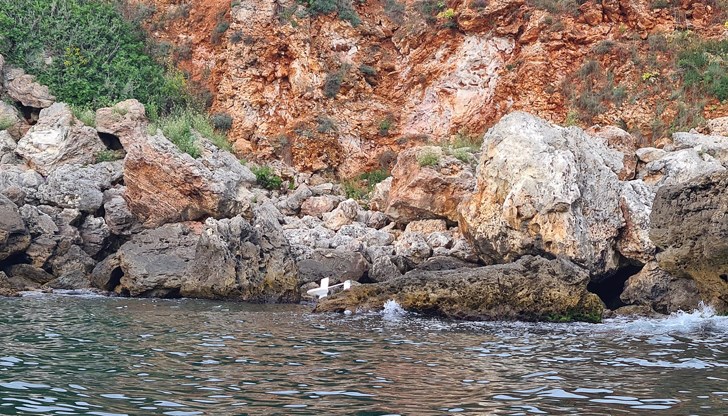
x=30, y=114
x=724, y=277
x=110, y=141
x=114, y=279
x=609, y=288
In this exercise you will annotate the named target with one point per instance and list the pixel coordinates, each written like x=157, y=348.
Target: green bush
x=86, y=115
x=107, y=156
x=222, y=121
x=343, y=8
x=428, y=158
x=6, y=123
x=86, y=53
x=267, y=178
x=704, y=66
x=333, y=81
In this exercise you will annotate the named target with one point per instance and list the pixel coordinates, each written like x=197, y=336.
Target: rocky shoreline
x=534, y=226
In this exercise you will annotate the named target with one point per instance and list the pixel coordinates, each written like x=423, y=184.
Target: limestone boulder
x=337, y=265
x=58, y=139
x=661, y=291
x=164, y=184
x=344, y=214
x=238, y=260
x=23, y=88
x=6, y=288
x=428, y=184
x=621, y=141
x=117, y=215
x=544, y=189
x=80, y=186
x=14, y=236
x=635, y=202
x=7, y=149
x=530, y=289
x=713, y=145
x=292, y=204
x=125, y=120
x=20, y=184
x=679, y=166
x=413, y=246
x=717, y=126
x=10, y=118
x=316, y=206
x=151, y=264
x=688, y=225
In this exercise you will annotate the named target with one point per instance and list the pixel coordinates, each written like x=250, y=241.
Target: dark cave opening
x=110, y=141
x=610, y=287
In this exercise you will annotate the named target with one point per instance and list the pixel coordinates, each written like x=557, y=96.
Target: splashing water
x=392, y=311
x=702, y=320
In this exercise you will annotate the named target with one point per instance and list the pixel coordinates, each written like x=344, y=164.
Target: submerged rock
x=531, y=289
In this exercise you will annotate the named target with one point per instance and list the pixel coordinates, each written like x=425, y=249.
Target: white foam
x=701, y=320
x=392, y=310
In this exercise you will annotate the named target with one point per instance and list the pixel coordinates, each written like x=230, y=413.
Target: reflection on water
x=111, y=356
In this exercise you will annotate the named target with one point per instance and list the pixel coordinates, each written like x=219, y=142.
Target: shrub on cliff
x=86, y=53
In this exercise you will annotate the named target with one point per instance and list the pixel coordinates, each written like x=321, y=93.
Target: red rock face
x=325, y=96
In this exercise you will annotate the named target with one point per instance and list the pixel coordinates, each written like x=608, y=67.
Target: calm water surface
x=63, y=355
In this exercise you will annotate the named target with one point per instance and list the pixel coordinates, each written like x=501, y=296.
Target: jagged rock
x=293, y=204
x=428, y=192
x=20, y=183
x=426, y=227
x=6, y=288
x=164, y=185
x=716, y=146
x=660, y=290
x=316, y=206
x=678, y=167
x=235, y=260
x=14, y=236
x=462, y=249
x=531, y=289
x=437, y=263
x=304, y=241
x=544, y=188
x=117, y=215
x=29, y=272
x=688, y=224
x=9, y=116
x=22, y=87
x=73, y=266
x=718, y=126
x=440, y=239
x=126, y=120
x=94, y=233
x=337, y=265
x=374, y=237
x=621, y=141
x=58, y=139
x=635, y=201
x=380, y=195
x=344, y=214
x=377, y=220
x=650, y=154
x=7, y=149
x=413, y=246
x=151, y=264
x=80, y=187
x=383, y=269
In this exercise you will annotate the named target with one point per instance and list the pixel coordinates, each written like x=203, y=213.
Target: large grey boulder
x=20, y=184
x=58, y=139
x=7, y=149
x=530, y=289
x=23, y=88
x=80, y=187
x=117, y=215
x=661, y=291
x=545, y=189
x=238, y=260
x=688, y=225
x=337, y=265
x=14, y=236
x=151, y=264
x=678, y=167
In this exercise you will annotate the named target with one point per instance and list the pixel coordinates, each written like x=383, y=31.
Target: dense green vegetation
x=704, y=66
x=90, y=56
x=266, y=177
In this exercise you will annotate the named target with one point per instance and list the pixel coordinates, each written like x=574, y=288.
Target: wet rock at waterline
x=688, y=224
x=530, y=289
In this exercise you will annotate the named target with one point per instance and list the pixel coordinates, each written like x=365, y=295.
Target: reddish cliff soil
x=324, y=95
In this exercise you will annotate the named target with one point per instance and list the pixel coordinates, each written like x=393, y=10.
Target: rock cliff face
x=341, y=93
